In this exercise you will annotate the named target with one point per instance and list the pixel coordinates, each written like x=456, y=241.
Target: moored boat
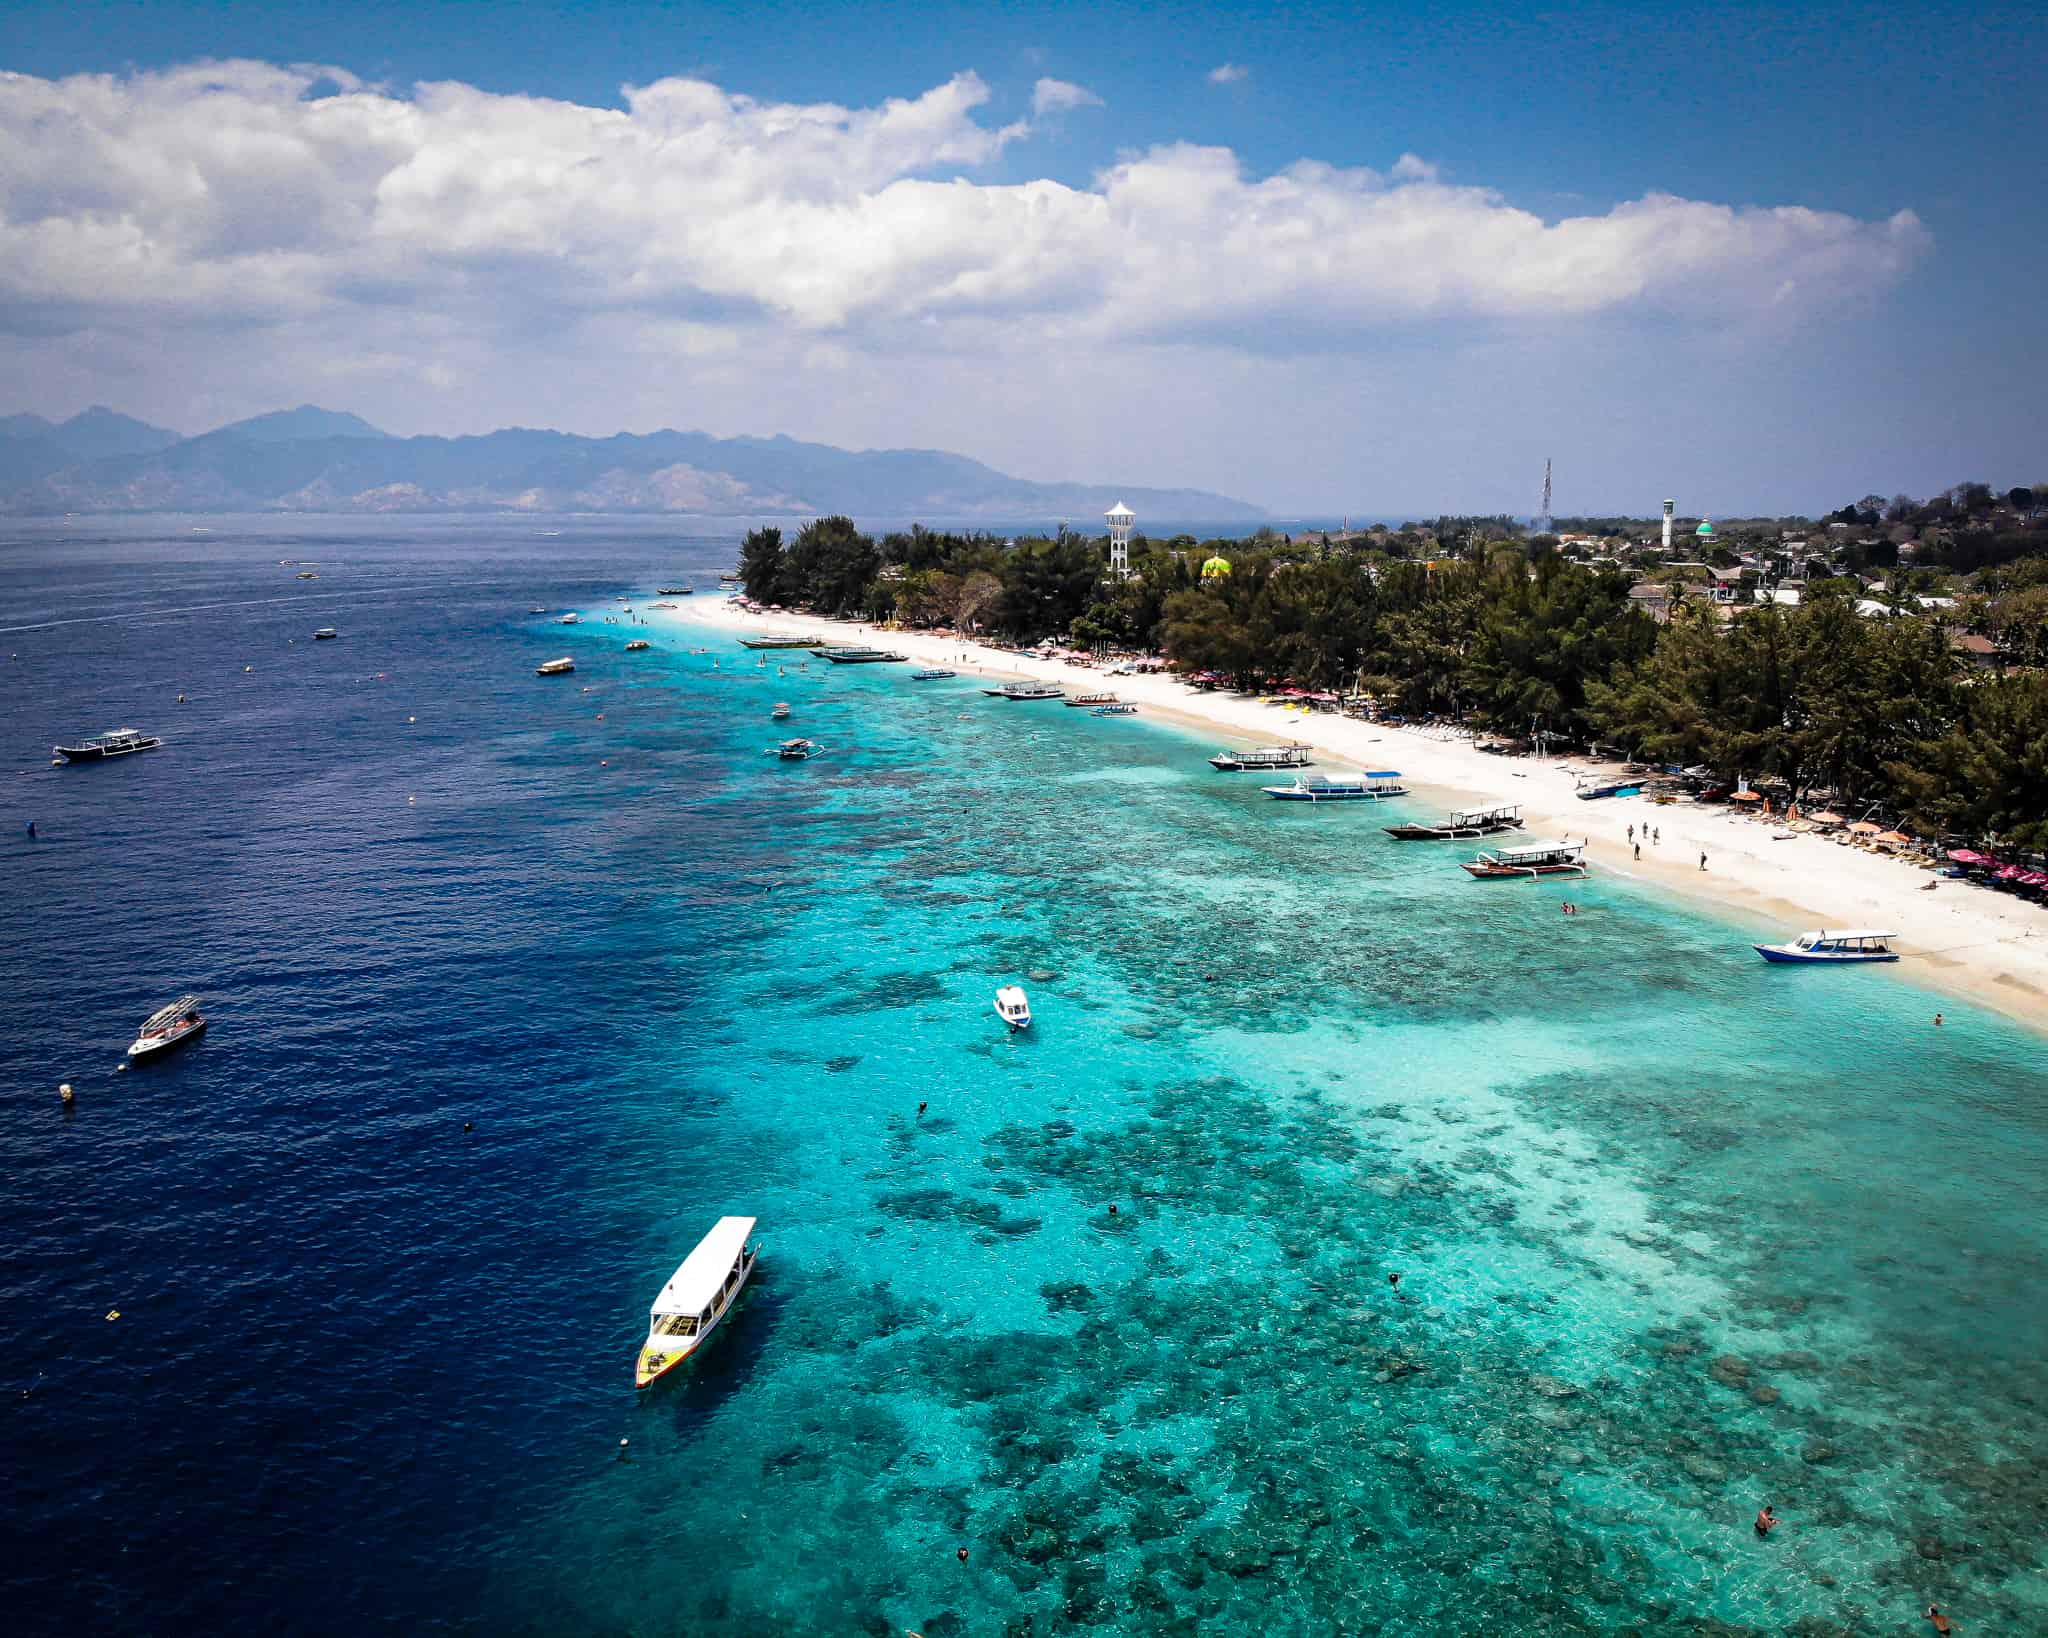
x=843, y=655
x=1013, y=1007
x=1092, y=699
x=325, y=634
x=781, y=711
x=1261, y=759
x=1466, y=822
x=1559, y=858
x=697, y=1296
x=636, y=645
x=555, y=668
x=1118, y=710
x=795, y=750
x=931, y=673
x=114, y=742
x=569, y=620
x=783, y=639
x=1822, y=947
x=1027, y=691
x=673, y=591
x=1367, y=787
x=168, y=1027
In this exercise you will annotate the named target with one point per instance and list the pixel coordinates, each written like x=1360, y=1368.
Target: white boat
x=325, y=634
x=555, y=668
x=781, y=711
x=795, y=750
x=1264, y=757
x=931, y=673
x=569, y=620
x=1027, y=691
x=168, y=1027
x=1012, y=1007
x=1369, y=787
x=1821, y=946
x=698, y=1295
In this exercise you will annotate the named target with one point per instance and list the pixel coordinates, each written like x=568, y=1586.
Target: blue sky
x=1136, y=277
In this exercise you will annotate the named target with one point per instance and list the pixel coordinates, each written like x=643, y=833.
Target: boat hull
x=101, y=753
x=1809, y=958
x=1487, y=873
x=150, y=1046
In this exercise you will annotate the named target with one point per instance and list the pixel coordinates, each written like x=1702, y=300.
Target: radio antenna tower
x=1542, y=518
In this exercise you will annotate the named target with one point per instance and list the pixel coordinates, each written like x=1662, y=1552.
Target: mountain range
x=315, y=460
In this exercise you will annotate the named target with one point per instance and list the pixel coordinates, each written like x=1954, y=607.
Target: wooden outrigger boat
x=1466, y=822
x=1531, y=859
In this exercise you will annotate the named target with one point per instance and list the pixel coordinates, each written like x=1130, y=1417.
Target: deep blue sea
x=517, y=984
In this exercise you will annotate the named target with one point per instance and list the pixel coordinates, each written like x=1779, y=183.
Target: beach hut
x=1824, y=817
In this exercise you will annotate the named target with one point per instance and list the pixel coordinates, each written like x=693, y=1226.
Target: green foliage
x=1986, y=776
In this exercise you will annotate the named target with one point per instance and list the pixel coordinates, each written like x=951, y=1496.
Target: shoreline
x=1986, y=948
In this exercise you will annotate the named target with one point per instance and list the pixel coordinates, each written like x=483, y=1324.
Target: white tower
x=1120, y=517
x=1670, y=506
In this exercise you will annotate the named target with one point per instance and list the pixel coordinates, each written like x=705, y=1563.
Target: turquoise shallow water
x=1680, y=1233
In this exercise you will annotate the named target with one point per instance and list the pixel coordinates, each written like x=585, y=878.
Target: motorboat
x=1092, y=700
x=1262, y=758
x=569, y=620
x=674, y=591
x=795, y=750
x=1465, y=822
x=114, y=742
x=307, y=574
x=324, y=634
x=1012, y=1007
x=1531, y=859
x=846, y=655
x=1821, y=947
x=1117, y=710
x=698, y=1295
x=1367, y=787
x=783, y=639
x=781, y=711
x=636, y=645
x=536, y=609
x=555, y=668
x=167, y=1027
x=1027, y=691
x=932, y=673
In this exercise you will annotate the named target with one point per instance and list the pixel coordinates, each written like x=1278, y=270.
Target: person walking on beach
x=1631, y=833
x=1657, y=835
x=1639, y=850
x=1703, y=859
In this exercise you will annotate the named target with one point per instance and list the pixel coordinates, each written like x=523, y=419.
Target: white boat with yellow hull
x=698, y=1295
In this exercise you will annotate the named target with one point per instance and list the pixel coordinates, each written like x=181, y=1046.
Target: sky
x=1328, y=258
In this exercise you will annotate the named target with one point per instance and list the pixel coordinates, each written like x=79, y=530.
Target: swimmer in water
x=1941, y=1622
x=1766, y=1522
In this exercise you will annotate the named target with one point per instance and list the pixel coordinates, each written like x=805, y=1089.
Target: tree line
x=1880, y=712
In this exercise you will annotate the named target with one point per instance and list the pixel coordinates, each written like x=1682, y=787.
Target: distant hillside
x=307, y=421
x=31, y=447
x=315, y=460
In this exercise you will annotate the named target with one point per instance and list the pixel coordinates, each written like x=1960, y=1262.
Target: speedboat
x=569, y=620
x=1370, y=787
x=1529, y=860
x=1821, y=947
x=114, y=742
x=167, y=1027
x=555, y=668
x=636, y=645
x=1012, y=1007
x=698, y=1295
x=324, y=633
x=781, y=711
x=931, y=673
x=795, y=750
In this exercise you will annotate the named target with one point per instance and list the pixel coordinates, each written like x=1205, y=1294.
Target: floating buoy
x=113, y=1313
x=600, y=716
x=121, y=1068
x=64, y=1091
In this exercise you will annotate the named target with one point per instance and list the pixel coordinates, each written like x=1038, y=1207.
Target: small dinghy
x=1012, y=1007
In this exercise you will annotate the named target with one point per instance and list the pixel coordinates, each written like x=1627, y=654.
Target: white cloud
x=1228, y=73
x=690, y=242
x=1057, y=96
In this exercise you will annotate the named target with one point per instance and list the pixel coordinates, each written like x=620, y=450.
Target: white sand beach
x=1985, y=946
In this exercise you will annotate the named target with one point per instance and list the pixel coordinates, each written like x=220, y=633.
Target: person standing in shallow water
x=1766, y=1521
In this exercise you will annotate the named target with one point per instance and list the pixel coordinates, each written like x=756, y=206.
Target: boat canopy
x=694, y=1287
x=164, y=1017
x=1383, y=773
x=1836, y=935
x=1558, y=846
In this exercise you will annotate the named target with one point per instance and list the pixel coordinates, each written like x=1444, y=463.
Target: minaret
x=1670, y=506
x=1120, y=518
